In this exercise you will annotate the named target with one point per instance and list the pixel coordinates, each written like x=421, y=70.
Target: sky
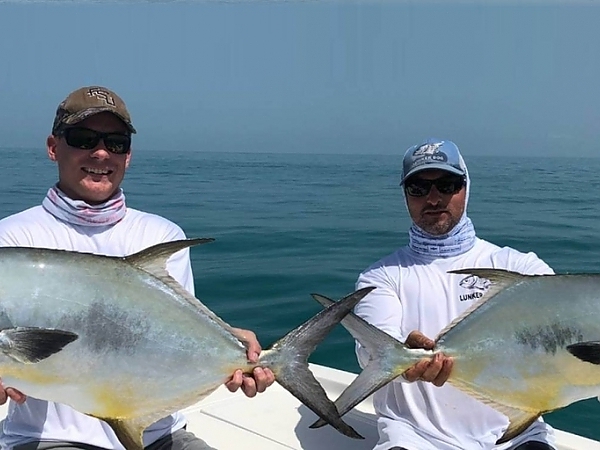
x=501, y=78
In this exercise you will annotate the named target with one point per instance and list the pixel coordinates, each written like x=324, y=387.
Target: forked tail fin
x=288, y=359
x=388, y=358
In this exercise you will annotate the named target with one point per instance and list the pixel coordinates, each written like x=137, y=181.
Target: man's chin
x=96, y=196
x=437, y=229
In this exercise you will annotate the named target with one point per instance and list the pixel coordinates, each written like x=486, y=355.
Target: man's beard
x=437, y=226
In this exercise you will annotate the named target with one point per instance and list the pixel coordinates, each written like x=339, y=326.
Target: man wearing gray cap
x=86, y=212
x=415, y=292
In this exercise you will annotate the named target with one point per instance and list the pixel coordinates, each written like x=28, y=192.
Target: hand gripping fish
x=530, y=346
x=118, y=339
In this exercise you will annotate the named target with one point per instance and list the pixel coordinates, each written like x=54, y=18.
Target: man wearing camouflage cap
x=86, y=211
x=414, y=292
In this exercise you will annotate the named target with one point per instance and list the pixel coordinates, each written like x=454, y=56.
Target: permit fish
x=530, y=346
x=118, y=339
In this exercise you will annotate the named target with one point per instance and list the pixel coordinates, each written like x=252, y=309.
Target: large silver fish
x=136, y=346
x=531, y=345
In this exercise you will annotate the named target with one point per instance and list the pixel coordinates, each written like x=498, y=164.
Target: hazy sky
x=313, y=76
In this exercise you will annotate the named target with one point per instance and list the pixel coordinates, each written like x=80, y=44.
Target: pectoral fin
x=29, y=345
x=586, y=351
x=129, y=432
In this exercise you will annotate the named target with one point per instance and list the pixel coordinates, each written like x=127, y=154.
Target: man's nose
x=434, y=197
x=100, y=151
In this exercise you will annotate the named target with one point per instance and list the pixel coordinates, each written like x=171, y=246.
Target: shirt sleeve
x=381, y=308
x=11, y=236
x=525, y=263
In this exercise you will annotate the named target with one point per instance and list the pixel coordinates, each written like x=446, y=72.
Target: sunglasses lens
x=87, y=139
x=117, y=143
x=417, y=188
x=81, y=138
x=449, y=186
x=446, y=185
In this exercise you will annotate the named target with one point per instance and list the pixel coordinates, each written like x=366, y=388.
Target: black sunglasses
x=419, y=187
x=87, y=139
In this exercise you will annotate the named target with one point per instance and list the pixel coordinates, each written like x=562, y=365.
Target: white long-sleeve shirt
x=414, y=292
x=42, y=420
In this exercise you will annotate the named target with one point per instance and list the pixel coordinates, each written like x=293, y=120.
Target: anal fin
x=128, y=431
x=518, y=419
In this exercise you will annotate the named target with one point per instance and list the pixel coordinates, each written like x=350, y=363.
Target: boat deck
x=275, y=420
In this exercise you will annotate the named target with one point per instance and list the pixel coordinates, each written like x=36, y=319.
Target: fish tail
x=388, y=358
x=288, y=359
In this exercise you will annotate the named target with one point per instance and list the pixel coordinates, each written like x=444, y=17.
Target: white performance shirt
x=42, y=420
x=414, y=292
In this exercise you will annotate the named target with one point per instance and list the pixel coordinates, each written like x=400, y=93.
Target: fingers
x=251, y=385
x=235, y=382
x=3, y=396
x=249, y=339
x=416, y=339
x=263, y=378
x=435, y=370
x=444, y=373
x=414, y=373
x=13, y=394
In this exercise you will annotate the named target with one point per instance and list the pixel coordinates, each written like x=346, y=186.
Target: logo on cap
x=428, y=149
x=429, y=153
x=102, y=95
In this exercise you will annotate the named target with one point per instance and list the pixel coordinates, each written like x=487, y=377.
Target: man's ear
x=128, y=159
x=51, y=142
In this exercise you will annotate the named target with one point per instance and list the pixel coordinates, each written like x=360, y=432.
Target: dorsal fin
x=154, y=259
x=500, y=279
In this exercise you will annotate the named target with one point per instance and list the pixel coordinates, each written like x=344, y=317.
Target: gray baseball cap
x=433, y=154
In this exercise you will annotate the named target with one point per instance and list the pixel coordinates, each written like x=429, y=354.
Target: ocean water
x=287, y=225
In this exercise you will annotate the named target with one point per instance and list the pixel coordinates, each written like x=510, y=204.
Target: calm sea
x=287, y=225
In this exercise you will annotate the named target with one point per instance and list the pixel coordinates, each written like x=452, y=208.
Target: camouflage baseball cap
x=433, y=154
x=87, y=101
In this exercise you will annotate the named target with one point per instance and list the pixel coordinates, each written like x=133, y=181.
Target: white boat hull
x=275, y=420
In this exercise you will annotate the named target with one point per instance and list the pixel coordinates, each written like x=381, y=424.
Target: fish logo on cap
x=428, y=149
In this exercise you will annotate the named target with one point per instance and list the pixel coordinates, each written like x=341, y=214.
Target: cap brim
x=433, y=166
x=79, y=116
